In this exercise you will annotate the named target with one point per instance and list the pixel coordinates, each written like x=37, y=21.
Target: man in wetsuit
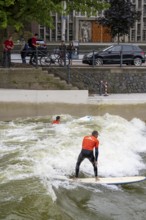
x=88, y=144
x=57, y=121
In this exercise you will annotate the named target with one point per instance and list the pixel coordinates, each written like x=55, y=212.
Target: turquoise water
x=33, y=153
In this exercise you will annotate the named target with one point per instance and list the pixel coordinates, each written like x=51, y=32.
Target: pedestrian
x=32, y=43
x=24, y=50
x=62, y=52
x=8, y=45
x=57, y=121
x=88, y=144
x=70, y=50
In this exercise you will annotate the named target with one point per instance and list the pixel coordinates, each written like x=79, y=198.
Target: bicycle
x=55, y=58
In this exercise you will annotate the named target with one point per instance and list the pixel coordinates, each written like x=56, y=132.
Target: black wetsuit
x=90, y=156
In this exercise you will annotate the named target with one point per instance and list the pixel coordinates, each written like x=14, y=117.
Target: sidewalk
x=134, y=98
x=69, y=97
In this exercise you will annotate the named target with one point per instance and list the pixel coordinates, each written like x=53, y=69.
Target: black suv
x=122, y=53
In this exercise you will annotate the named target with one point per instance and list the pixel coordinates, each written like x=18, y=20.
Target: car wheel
x=137, y=61
x=99, y=62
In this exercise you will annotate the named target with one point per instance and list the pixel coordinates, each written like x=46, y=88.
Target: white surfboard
x=110, y=180
x=104, y=180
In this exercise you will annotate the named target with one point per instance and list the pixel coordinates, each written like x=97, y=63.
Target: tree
x=119, y=18
x=16, y=13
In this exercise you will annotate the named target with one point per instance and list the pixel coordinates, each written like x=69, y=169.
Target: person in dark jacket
x=24, y=50
x=70, y=50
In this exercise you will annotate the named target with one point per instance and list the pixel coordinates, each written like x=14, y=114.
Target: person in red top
x=8, y=45
x=33, y=47
x=88, y=145
x=57, y=121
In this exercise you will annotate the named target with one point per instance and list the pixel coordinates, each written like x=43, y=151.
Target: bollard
x=105, y=89
x=101, y=87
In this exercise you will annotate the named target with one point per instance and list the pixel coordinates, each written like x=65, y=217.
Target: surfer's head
x=57, y=118
x=95, y=133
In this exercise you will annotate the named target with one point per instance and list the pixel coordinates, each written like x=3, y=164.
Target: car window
x=108, y=48
x=116, y=48
x=127, y=48
x=136, y=48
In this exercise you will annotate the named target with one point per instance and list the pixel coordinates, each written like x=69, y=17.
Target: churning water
x=34, y=153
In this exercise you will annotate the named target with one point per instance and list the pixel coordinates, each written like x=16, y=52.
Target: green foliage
x=120, y=17
x=16, y=13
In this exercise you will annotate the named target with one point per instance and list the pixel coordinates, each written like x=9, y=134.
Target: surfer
x=88, y=144
x=57, y=121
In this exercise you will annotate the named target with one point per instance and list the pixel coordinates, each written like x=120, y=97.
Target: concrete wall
x=13, y=110
x=120, y=80
x=30, y=78
x=44, y=96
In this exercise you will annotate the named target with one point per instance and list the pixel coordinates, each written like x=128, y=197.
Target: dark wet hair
x=58, y=118
x=95, y=133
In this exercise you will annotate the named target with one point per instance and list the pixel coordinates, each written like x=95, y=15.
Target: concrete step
x=62, y=82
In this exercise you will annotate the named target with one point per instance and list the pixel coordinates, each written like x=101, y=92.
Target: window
x=144, y=22
x=133, y=35
x=116, y=49
x=144, y=35
x=144, y=9
x=139, y=4
x=136, y=48
x=127, y=48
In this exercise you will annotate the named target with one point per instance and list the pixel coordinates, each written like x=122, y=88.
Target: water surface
x=33, y=153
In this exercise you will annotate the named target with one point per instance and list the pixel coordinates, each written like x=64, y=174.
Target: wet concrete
x=13, y=110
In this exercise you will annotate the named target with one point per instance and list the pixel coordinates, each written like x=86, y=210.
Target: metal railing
x=46, y=57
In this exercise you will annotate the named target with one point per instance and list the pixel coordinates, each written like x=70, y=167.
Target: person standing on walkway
x=62, y=52
x=70, y=50
x=89, y=143
x=8, y=45
x=32, y=43
x=24, y=50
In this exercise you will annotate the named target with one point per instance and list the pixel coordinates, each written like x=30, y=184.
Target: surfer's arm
x=96, y=154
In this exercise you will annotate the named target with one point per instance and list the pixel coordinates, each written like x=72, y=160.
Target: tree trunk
x=63, y=22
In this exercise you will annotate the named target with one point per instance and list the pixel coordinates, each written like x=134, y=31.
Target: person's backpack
x=30, y=42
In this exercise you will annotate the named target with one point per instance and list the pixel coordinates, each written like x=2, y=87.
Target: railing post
x=64, y=56
x=68, y=75
x=93, y=59
x=121, y=58
x=36, y=51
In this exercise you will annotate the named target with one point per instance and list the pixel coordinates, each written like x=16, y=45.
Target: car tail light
x=142, y=53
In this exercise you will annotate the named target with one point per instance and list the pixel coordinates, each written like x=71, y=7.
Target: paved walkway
x=134, y=98
x=69, y=97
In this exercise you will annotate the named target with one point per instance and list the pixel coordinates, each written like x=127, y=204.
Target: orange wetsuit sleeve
x=89, y=142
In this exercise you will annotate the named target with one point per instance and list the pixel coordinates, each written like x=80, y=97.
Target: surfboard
x=110, y=180
x=104, y=180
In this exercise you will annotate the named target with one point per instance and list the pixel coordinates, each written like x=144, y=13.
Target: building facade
x=79, y=27
x=138, y=32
